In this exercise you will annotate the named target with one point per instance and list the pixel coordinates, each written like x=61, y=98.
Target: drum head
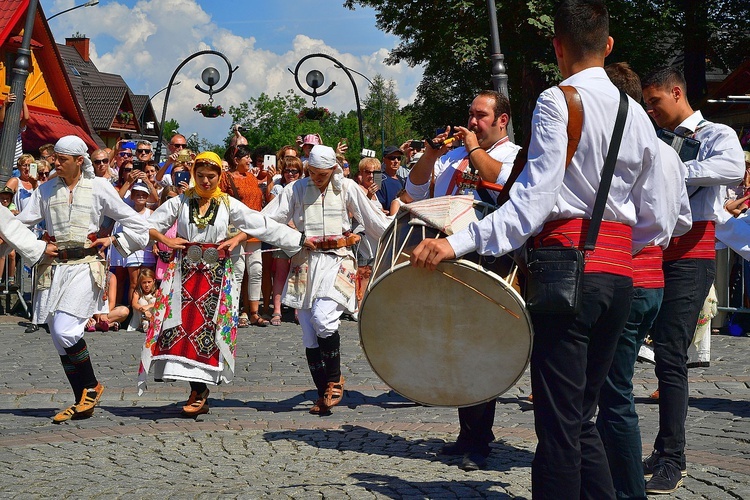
x=445, y=341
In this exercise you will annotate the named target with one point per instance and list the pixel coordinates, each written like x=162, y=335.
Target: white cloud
x=146, y=43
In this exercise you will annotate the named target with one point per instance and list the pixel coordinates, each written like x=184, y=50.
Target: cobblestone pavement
x=259, y=441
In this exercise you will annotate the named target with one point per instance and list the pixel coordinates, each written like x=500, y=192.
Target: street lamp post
x=210, y=76
x=145, y=107
x=382, y=107
x=499, y=77
x=90, y=3
x=315, y=80
x=20, y=73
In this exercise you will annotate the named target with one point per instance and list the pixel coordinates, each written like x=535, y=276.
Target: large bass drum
x=456, y=336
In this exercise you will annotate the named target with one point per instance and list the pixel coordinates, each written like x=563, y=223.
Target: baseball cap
x=311, y=139
x=7, y=190
x=389, y=150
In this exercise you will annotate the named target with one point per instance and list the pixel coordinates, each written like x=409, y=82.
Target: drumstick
x=472, y=288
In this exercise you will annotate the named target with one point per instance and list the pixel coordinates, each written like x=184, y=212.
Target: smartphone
x=139, y=165
x=378, y=178
x=269, y=162
x=344, y=141
x=33, y=172
x=416, y=145
x=367, y=153
x=182, y=176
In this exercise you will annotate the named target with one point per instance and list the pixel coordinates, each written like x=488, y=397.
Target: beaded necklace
x=208, y=218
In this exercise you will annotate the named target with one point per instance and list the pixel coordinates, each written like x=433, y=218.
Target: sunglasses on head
x=125, y=154
x=141, y=151
x=99, y=162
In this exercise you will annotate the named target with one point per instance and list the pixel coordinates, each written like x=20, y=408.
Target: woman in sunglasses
x=193, y=331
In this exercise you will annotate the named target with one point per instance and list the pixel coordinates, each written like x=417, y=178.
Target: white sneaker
x=646, y=354
x=355, y=316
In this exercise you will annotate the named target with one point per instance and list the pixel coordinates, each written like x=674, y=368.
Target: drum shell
x=454, y=337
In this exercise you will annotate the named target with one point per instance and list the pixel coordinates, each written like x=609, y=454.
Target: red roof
x=44, y=128
x=11, y=11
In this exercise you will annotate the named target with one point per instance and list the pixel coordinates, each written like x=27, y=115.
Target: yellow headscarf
x=214, y=161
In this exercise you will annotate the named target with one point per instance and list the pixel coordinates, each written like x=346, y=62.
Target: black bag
x=554, y=280
x=555, y=273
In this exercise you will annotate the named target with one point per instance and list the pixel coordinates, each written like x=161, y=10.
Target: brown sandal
x=320, y=408
x=258, y=320
x=196, y=405
x=334, y=392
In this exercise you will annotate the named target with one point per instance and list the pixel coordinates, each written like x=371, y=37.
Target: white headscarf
x=325, y=157
x=74, y=146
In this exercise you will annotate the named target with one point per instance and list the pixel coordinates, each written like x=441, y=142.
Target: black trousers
x=476, y=427
x=569, y=363
x=686, y=285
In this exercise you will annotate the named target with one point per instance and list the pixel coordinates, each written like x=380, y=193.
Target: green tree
x=170, y=127
x=384, y=122
x=451, y=39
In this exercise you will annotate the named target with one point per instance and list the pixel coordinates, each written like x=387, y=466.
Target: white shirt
x=679, y=217
x=18, y=237
x=446, y=166
x=720, y=163
x=546, y=191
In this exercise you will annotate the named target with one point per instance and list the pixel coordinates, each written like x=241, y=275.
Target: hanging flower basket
x=209, y=110
x=124, y=116
x=313, y=114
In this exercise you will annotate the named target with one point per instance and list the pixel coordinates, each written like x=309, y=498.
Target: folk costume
x=192, y=336
x=617, y=420
x=322, y=281
x=18, y=237
x=573, y=352
x=475, y=421
x=69, y=288
x=689, y=271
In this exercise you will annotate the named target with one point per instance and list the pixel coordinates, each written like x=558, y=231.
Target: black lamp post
x=382, y=112
x=499, y=77
x=315, y=80
x=20, y=73
x=210, y=76
x=90, y=3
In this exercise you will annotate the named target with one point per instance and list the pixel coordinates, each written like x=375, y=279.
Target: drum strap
x=575, y=127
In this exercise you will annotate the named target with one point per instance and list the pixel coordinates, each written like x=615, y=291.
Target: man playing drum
x=573, y=352
x=489, y=150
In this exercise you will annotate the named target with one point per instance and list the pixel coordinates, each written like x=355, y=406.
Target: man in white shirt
x=487, y=146
x=572, y=353
x=689, y=265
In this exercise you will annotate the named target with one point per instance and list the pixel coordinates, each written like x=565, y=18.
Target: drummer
x=486, y=150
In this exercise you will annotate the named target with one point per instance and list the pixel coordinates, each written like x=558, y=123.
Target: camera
x=416, y=145
x=139, y=165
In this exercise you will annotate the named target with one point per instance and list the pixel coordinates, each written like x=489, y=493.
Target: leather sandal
x=276, y=319
x=197, y=404
x=64, y=415
x=334, y=392
x=320, y=408
x=258, y=320
x=242, y=323
x=89, y=399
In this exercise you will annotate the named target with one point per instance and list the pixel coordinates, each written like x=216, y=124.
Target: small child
x=144, y=297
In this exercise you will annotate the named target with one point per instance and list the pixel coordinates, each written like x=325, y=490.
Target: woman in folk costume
x=321, y=281
x=69, y=287
x=193, y=333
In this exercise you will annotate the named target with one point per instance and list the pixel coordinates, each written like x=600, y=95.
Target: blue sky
x=145, y=41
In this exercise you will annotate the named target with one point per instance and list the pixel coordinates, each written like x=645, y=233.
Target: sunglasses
x=141, y=151
x=126, y=170
x=125, y=154
x=42, y=175
x=368, y=172
x=291, y=171
x=392, y=158
x=99, y=162
x=179, y=145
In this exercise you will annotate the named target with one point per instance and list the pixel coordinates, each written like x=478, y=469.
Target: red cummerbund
x=647, y=268
x=698, y=243
x=614, y=245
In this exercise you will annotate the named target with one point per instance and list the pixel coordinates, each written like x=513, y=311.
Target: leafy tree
x=451, y=39
x=170, y=127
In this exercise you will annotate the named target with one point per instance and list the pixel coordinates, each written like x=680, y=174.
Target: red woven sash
x=647, y=268
x=614, y=245
x=698, y=243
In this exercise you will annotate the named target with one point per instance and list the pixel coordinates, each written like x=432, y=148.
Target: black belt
x=75, y=253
